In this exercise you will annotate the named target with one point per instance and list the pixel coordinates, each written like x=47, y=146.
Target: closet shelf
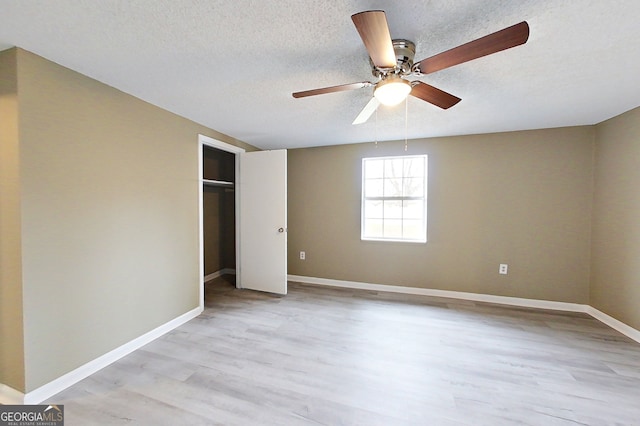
x=218, y=183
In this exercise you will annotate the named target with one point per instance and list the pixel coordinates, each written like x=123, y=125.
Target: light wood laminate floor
x=324, y=356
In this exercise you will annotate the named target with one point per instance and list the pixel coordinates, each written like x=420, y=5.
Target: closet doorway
x=257, y=183
x=219, y=198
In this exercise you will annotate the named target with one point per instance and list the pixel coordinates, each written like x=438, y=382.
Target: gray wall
x=615, y=279
x=521, y=198
x=109, y=215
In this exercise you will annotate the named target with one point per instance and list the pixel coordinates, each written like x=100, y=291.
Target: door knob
x=281, y=230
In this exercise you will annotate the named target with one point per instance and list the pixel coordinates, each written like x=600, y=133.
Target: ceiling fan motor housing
x=405, y=51
x=396, y=71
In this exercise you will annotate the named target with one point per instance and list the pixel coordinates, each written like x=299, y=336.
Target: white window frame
x=383, y=198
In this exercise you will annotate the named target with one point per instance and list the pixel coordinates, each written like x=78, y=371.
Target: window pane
x=413, y=229
x=373, y=209
x=393, y=187
x=373, y=187
x=413, y=187
x=373, y=228
x=393, y=168
x=393, y=228
x=414, y=167
x=393, y=209
x=374, y=168
x=413, y=209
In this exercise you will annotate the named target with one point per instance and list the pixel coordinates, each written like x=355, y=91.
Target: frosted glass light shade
x=392, y=90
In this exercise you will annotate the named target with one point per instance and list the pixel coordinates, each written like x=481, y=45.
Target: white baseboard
x=477, y=297
x=623, y=328
x=10, y=396
x=38, y=395
x=221, y=272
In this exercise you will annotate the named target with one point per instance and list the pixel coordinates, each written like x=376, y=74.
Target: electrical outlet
x=303, y=255
x=503, y=268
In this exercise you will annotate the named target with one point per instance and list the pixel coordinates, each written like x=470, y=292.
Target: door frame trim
x=236, y=150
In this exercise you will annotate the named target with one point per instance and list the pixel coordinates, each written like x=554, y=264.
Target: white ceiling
x=232, y=65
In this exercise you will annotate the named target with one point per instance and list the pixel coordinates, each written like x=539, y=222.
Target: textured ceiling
x=232, y=65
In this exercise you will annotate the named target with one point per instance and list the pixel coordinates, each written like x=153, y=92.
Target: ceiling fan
x=392, y=63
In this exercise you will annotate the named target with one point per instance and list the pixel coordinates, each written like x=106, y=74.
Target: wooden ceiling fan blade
x=331, y=89
x=433, y=95
x=374, y=32
x=507, y=38
x=366, y=112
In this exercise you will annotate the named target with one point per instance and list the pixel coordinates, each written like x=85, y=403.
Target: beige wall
x=103, y=188
x=521, y=198
x=109, y=188
x=11, y=325
x=615, y=279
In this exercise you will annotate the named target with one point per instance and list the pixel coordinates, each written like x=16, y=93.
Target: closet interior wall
x=218, y=211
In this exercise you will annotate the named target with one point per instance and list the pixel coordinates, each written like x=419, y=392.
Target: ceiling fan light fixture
x=392, y=90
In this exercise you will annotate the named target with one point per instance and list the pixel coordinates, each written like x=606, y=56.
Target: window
x=394, y=198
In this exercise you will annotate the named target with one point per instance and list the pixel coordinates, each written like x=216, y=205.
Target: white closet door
x=263, y=221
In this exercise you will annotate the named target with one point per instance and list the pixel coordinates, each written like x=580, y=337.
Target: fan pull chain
x=406, y=120
x=376, y=128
